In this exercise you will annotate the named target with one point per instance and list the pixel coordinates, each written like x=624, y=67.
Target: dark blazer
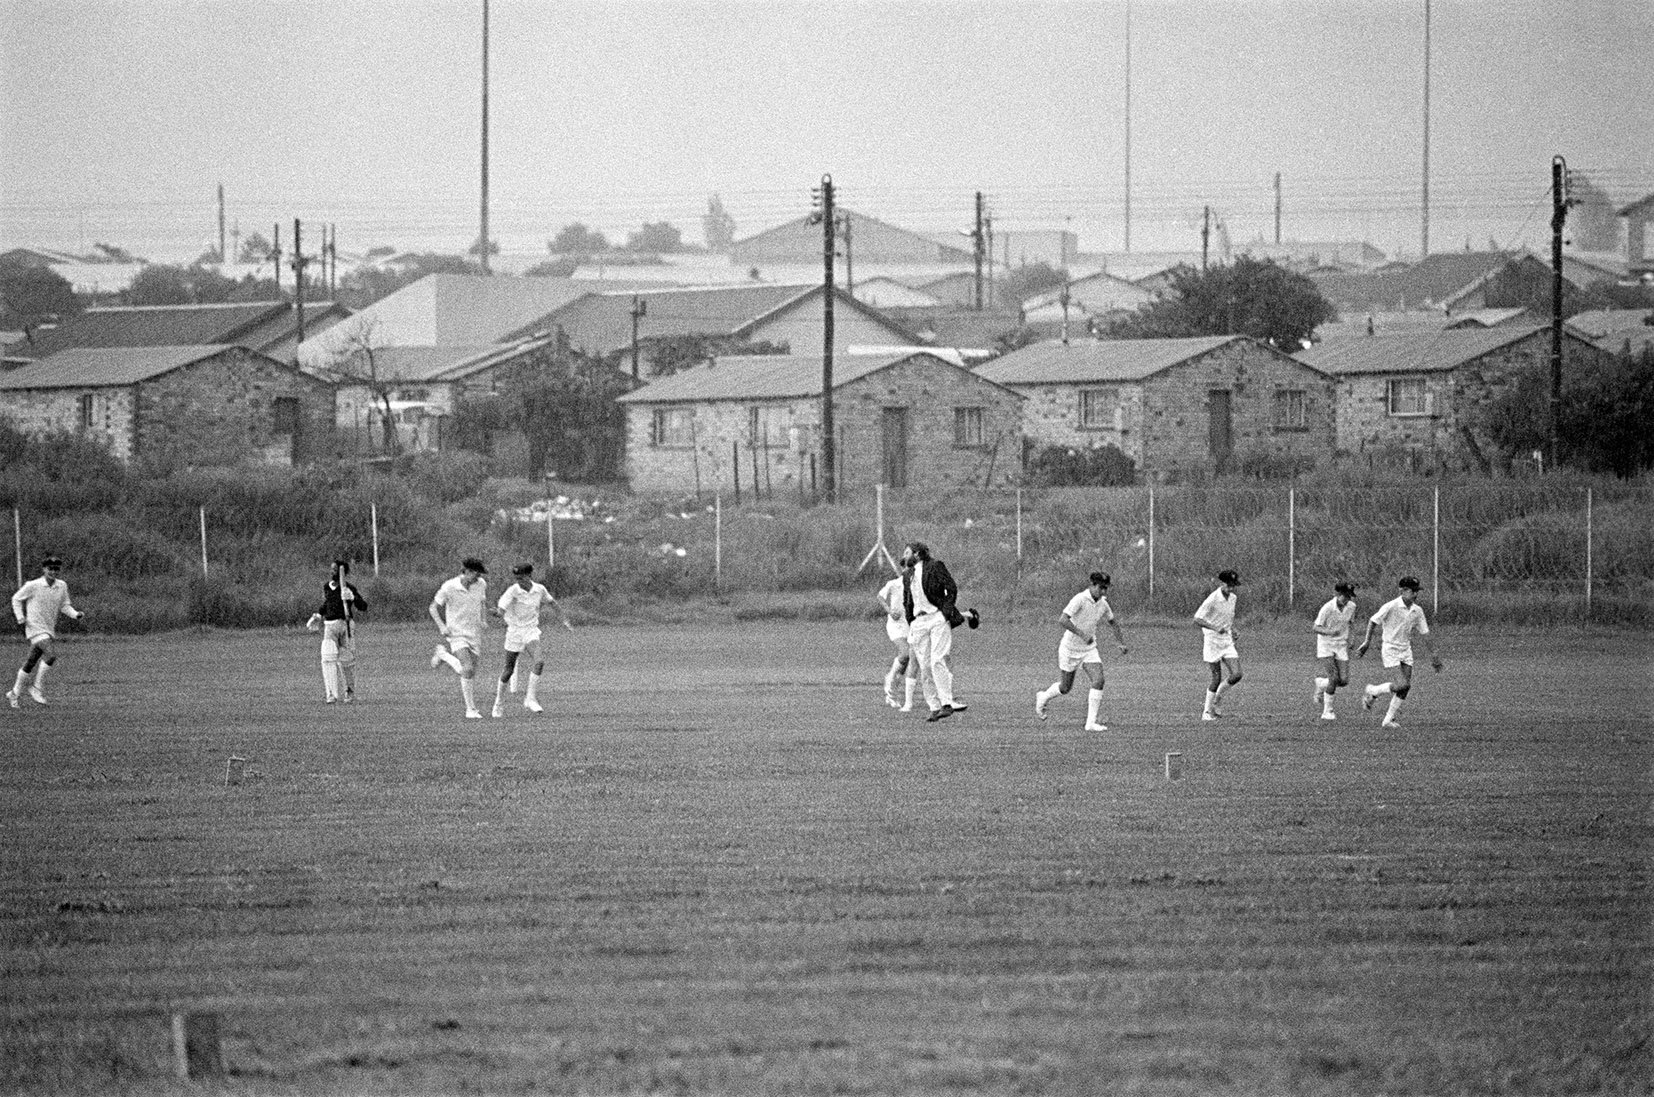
x=939, y=589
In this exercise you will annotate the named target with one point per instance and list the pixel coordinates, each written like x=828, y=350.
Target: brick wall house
x=907, y=420
x=1176, y=407
x=1418, y=399
x=184, y=405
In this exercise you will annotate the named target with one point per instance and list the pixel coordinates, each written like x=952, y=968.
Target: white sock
x=1093, y=704
x=1223, y=687
x=1321, y=684
x=467, y=691
x=499, y=693
x=22, y=682
x=533, y=687
x=1051, y=692
x=907, y=692
x=40, y=670
x=1395, y=709
x=1379, y=690
x=890, y=677
x=1211, y=700
x=1326, y=702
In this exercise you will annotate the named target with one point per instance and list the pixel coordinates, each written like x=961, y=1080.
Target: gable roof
x=104, y=367
x=1438, y=352
x=1635, y=208
x=436, y=364
x=1102, y=360
x=254, y=324
x=1595, y=323
x=768, y=377
x=1432, y=281
x=858, y=222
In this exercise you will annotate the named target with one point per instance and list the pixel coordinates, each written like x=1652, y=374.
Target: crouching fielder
x=1400, y=619
x=36, y=606
x=519, y=607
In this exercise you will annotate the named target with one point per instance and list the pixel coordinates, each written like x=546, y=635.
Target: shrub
x=1069, y=466
x=104, y=543
x=447, y=477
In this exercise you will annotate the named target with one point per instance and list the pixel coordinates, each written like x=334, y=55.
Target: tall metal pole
x=976, y=249
x=482, y=243
x=1559, y=216
x=829, y=446
x=1424, y=226
x=1128, y=127
x=298, y=279
x=1277, y=208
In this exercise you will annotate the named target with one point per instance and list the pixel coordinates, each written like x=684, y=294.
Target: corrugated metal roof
x=158, y=326
x=1092, y=361
x=601, y=321
x=406, y=364
x=1599, y=322
x=764, y=377
x=103, y=367
x=1436, y=352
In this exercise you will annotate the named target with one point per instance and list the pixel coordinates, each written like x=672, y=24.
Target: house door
x=1220, y=437
x=895, y=447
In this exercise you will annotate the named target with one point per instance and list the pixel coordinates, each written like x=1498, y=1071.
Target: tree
x=1020, y=283
x=1602, y=423
x=1248, y=297
x=255, y=249
x=657, y=238
x=563, y=267
x=476, y=246
x=159, y=284
x=717, y=226
x=356, y=360
x=670, y=353
x=31, y=296
x=577, y=239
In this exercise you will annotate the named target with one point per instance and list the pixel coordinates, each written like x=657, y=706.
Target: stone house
x=273, y=328
x=1419, y=398
x=1176, y=407
x=175, y=405
x=1639, y=240
x=908, y=420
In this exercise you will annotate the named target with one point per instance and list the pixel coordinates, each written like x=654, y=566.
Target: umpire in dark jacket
x=930, y=598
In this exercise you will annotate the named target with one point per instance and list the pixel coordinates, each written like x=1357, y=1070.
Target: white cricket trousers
x=931, y=639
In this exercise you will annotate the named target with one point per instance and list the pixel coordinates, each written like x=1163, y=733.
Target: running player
x=36, y=606
x=1078, y=648
x=1332, y=646
x=1399, y=619
x=457, y=610
x=519, y=607
x=1216, y=619
x=902, y=666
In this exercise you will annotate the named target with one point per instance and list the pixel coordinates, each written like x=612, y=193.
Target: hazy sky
x=119, y=119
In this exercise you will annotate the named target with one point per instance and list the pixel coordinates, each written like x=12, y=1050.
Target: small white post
x=1436, y=551
x=1019, y=525
x=203, y=542
x=1291, y=543
x=1588, y=547
x=373, y=522
x=1151, y=542
x=17, y=541
x=718, y=539
x=551, y=540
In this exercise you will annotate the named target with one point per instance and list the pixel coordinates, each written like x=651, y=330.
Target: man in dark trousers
x=929, y=597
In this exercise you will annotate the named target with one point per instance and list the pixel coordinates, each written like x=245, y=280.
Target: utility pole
x=483, y=239
x=1128, y=127
x=222, y=258
x=849, y=255
x=1205, y=235
x=299, y=263
x=275, y=257
x=988, y=226
x=825, y=216
x=976, y=249
x=1559, y=215
x=1277, y=208
x=332, y=261
x=1424, y=227
x=640, y=309
x=1064, y=298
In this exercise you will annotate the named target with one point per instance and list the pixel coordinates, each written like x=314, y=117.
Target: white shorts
x=896, y=629
x=1217, y=646
x=1070, y=659
x=1326, y=647
x=458, y=642
x=337, y=643
x=519, y=639
x=1393, y=659
x=35, y=637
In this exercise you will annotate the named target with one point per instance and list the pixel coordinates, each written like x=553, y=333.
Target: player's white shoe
x=1208, y=716
x=1329, y=715
x=1096, y=727
x=906, y=708
x=1390, y=724
x=890, y=699
x=331, y=700
x=350, y=696
x=1039, y=703
x=1367, y=700
x=498, y=713
x=436, y=657
x=38, y=697
x=533, y=706
x=11, y=699
x=473, y=714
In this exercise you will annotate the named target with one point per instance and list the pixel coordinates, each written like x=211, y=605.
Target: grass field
x=719, y=864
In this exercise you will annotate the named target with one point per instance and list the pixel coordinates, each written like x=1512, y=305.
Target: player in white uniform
x=1332, y=646
x=458, y=610
x=519, y=608
x=1399, y=620
x=895, y=626
x=1216, y=620
x=36, y=606
x=1078, y=648
x=336, y=621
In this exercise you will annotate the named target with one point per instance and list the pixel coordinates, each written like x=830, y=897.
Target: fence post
x=203, y=542
x=1588, y=547
x=17, y=541
x=718, y=540
x=1019, y=526
x=1436, y=551
x=373, y=522
x=551, y=539
x=1151, y=542
x=1291, y=543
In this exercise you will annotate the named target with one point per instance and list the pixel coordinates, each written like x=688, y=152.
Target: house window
x=673, y=427
x=1097, y=408
x=967, y=428
x=1289, y=409
x=1407, y=396
x=764, y=427
x=285, y=410
x=83, y=411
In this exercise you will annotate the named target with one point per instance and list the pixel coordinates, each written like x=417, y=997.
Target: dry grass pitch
x=719, y=864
